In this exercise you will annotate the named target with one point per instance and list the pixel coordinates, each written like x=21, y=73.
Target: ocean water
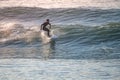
x=87, y=46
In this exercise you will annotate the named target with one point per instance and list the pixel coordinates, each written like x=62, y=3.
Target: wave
x=74, y=41
x=105, y=4
x=78, y=33
x=95, y=34
x=83, y=33
x=98, y=42
x=60, y=15
x=19, y=34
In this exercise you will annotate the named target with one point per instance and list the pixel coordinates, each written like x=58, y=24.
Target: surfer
x=44, y=26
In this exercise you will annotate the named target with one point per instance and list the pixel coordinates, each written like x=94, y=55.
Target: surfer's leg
x=48, y=31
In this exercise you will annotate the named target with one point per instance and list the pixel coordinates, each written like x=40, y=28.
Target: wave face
x=74, y=42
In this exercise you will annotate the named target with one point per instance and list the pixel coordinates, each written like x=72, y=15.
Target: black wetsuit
x=45, y=28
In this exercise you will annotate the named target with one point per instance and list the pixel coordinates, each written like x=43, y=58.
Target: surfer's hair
x=47, y=20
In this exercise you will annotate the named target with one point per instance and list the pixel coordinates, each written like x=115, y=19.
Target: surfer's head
x=47, y=20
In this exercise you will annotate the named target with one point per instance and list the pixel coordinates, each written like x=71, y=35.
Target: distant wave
x=60, y=16
x=102, y=4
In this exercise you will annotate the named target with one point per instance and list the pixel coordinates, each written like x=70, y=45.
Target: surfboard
x=45, y=38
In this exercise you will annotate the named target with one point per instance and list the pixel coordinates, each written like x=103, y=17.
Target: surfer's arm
x=41, y=27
